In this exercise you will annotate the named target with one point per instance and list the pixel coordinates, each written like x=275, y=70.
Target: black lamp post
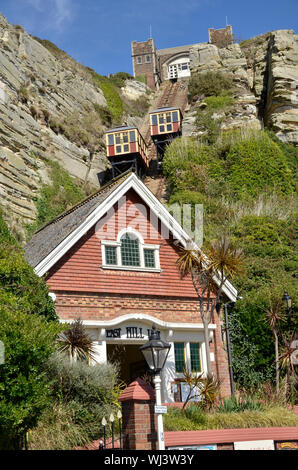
x=286, y=298
x=155, y=352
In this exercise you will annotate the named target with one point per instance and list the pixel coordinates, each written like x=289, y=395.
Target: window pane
x=118, y=141
x=169, y=127
x=179, y=356
x=154, y=119
x=161, y=128
x=118, y=149
x=175, y=116
x=149, y=258
x=139, y=60
x=132, y=136
x=195, y=357
x=125, y=148
x=111, y=256
x=168, y=117
x=130, y=250
x=148, y=59
x=110, y=139
x=125, y=137
x=160, y=117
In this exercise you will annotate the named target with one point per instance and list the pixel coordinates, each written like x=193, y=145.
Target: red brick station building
x=110, y=261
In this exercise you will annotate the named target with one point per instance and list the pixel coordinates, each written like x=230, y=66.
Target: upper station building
x=110, y=261
x=172, y=63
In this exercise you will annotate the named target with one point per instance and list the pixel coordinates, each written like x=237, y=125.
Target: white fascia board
x=143, y=318
x=155, y=205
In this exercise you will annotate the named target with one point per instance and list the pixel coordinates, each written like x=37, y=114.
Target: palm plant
x=274, y=316
x=222, y=261
x=76, y=343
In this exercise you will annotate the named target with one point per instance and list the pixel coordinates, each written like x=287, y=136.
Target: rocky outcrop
x=281, y=110
x=229, y=60
x=43, y=94
x=265, y=73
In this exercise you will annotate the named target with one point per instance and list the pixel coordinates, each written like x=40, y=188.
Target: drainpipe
x=229, y=345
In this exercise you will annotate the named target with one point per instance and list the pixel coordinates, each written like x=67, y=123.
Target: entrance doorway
x=131, y=361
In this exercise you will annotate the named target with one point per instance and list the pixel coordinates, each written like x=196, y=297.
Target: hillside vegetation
x=245, y=180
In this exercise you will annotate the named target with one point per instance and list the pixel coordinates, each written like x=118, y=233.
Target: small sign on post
x=160, y=409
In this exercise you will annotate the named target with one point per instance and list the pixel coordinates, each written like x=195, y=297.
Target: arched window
x=130, y=252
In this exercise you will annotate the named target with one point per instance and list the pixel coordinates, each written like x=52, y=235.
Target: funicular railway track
x=173, y=94
x=143, y=149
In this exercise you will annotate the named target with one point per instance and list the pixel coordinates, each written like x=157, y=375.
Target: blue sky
x=98, y=33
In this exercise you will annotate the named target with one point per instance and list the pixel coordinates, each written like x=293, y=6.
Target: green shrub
x=236, y=405
x=215, y=103
x=210, y=126
x=208, y=84
x=104, y=114
x=141, y=78
x=29, y=339
x=85, y=394
x=55, y=198
x=111, y=95
x=256, y=164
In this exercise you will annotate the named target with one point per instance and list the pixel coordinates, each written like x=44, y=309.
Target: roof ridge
x=84, y=201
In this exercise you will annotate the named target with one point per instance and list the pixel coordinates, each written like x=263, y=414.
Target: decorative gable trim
x=131, y=182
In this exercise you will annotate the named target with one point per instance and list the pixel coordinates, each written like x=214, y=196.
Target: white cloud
x=50, y=14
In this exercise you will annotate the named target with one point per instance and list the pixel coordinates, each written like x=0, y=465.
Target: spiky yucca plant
x=222, y=261
x=76, y=342
x=274, y=316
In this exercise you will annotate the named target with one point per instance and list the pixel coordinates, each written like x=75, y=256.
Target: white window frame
x=139, y=60
x=142, y=246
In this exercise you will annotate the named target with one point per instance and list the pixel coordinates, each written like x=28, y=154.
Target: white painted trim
x=155, y=206
x=142, y=246
x=130, y=268
x=150, y=320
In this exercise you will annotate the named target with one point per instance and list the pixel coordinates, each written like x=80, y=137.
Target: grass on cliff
x=55, y=198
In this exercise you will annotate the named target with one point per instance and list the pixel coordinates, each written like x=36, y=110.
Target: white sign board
x=160, y=409
x=254, y=445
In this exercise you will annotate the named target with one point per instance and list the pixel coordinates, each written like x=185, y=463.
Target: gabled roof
x=48, y=237
x=52, y=241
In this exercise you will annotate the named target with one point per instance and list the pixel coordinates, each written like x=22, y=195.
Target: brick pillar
x=138, y=417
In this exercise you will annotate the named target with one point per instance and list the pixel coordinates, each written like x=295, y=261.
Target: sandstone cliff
x=265, y=73
x=50, y=109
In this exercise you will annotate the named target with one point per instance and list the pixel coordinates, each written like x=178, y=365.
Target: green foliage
x=111, y=94
x=24, y=391
x=208, y=84
x=256, y=164
x=17, y=278
x=216, y=103
x=236, y=405
x=210, y=126
x=141, y=78
x=82, y=395
x=269, y=416
x=104, y=114
x=55, y=198
x=245, y=183
x=118, y=79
